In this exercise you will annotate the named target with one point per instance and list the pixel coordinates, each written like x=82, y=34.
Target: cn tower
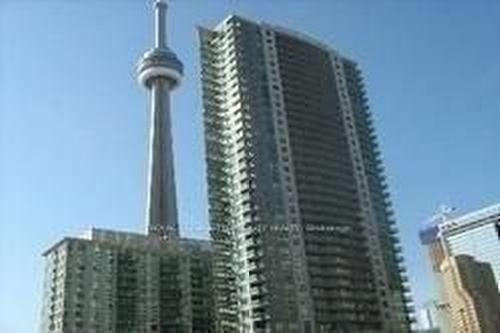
x=160, y=71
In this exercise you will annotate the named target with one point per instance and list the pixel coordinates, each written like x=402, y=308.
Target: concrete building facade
x=109, y=281
x=436, y=252
x=472, y=295
x=303, y=231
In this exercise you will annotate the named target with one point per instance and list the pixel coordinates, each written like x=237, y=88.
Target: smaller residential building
x=110, y=281
x=472, y=295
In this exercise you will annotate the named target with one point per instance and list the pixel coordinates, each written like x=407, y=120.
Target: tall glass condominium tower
x=304, y=234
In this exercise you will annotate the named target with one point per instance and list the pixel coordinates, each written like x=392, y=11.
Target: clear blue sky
x=73, y=121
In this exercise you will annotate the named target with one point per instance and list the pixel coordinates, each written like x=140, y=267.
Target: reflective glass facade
x=476, y=234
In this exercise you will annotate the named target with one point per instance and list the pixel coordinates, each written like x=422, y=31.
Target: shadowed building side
x=472, y=295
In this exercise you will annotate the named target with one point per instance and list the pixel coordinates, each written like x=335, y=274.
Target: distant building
x=427, y=318
x=430, y=330
x=430, y=238
x=468, y=245
x=305, y=239
x=472, y=295
x=118, y=282
x=476, y=234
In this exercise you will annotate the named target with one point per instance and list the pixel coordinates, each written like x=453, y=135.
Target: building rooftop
x=129, y=238
x=472, y=217
x=287, y=31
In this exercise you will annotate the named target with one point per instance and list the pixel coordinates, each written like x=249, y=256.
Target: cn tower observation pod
x=160, y=61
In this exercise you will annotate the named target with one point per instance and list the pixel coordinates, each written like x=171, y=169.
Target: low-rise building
x=110, y=281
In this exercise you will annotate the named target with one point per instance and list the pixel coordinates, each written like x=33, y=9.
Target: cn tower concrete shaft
x=160, y=71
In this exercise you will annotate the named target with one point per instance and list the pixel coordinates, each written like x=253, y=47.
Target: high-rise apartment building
x=112, y=281
x=303, y=232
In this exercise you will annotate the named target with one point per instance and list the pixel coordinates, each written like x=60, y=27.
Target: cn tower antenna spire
x=160, y=71
x=160, y=23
